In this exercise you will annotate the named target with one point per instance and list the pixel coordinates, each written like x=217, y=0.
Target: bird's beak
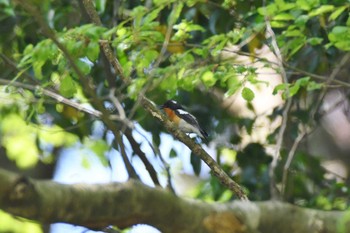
x=161, y=106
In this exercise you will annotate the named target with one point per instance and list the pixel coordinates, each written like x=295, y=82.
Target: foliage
x=174, y=50
x=11, y=224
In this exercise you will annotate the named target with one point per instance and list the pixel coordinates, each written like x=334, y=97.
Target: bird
x=185, y=121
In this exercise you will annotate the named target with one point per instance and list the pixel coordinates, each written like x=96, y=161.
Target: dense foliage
x=56, y=83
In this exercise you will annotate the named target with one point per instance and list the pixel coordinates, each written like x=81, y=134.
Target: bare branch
x=130, y=169
x=136, y=148
x=331, y=78
x=65, y=101
x=289, y=161
x=287, y=107
x=106, y=48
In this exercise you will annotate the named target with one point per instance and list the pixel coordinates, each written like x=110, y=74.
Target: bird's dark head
x=172, y=104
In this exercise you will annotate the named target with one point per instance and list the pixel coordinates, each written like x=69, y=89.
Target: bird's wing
x=191, y=120
x=188, y=117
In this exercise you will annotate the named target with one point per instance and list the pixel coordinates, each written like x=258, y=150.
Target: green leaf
x=314, y=86
x=337, y=12
x=152, y=15
x=93, y=51
x=67, y=86
x=278, y=24
x=301, y=20
x=340, y=37
x=188, y=83
x=293, y=89
x=13, y=224
x=135, y=87
x=284, y=17
x=138, y=13
x=100, y=6
x=175, y=12
x=99, y=147
x=280, y=87
x=307, y=5
x=233, y=84
x=321, y=10
x=83, y=66
x=19, y=142
x=208, y=78
x=248, y=94
x=56, y=136
x=303, y=82
x=196, y=163
x=294, y=33
x=315, y=40
x=37, y=68
x=269, y=10
x=295, y=45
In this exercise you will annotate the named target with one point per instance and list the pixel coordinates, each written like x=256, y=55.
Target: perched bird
x=183, y=119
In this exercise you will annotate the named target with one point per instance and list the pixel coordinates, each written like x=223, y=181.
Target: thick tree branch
x=127, y=204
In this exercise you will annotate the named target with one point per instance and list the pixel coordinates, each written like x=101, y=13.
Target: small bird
x=183, y=119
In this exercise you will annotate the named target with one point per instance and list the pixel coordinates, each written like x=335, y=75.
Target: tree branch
x=126, y=204
x=280, y=137
x=106, y=48
x=195, y=148
x=136, y=148
x=65, y=101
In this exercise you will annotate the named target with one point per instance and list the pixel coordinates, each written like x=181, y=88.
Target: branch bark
x=196, y=149
x=126, y=204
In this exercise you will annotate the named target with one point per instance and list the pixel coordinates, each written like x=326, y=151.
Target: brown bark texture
x=126, y=204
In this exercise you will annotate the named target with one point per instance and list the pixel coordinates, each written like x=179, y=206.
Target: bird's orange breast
x=172, y=115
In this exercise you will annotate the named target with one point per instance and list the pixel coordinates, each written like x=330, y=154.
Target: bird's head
x=172, y=104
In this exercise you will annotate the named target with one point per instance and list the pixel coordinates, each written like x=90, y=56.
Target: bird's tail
x=204, y=135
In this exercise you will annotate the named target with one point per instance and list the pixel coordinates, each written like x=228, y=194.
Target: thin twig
x=166, y=41
x=289, y=161
x=136, y=148
x=331, y=78
x=280, y=136
x=167, y=170
x=60, y=99
x=130, y=169
x=165, y=164
x=116, y=103
x=106, y=48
